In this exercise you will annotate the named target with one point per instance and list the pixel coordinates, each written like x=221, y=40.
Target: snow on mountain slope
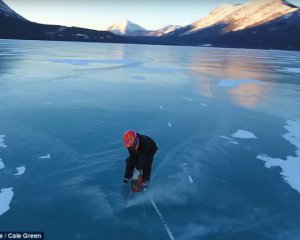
x=127, y=28
x=8, y=12
x=241, y=16
x=163, y=31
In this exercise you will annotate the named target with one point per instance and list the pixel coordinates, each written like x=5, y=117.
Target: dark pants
x=146, y=168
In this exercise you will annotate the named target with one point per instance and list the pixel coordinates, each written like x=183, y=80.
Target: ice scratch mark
x=20, y=170
x=139, y=77
x=1, y=164
x=187, y=98
x=6, y=195
x=230, y=140
x=45, y=157
x=190, y=179
x=2, y=145
x=169, y=124
x=162, y=219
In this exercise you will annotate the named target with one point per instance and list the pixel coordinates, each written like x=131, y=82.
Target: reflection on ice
x=290, y=69
x=237, y=83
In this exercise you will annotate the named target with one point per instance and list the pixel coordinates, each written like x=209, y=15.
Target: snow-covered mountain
x=8, y=12
x=235, y=17
x=127, y=28
x=163, y=31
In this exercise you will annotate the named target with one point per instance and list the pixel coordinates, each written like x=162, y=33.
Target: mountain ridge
x=240, y=27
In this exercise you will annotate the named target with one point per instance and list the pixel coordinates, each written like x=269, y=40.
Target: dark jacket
x=142, y=159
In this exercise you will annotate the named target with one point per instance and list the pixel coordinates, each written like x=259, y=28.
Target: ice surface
x=2, y=145
x=48, y=156
x=6, y=196
x=1, y=164
x=291, y=165
x=20, y=171
x=243, y=134
x=199, y=173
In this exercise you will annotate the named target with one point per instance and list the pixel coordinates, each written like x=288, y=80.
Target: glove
x=145, y=185
x=125, y=181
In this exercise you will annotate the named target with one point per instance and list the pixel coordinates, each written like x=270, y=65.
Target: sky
x=100, y=14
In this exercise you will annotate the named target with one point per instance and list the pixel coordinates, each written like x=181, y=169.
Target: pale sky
x=100, y=14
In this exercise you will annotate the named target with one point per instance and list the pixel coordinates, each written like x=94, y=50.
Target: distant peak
x=126, y=27
x=126, y=22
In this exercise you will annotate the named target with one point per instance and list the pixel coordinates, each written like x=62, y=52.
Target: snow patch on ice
x=6, y=196
x=20, y=170
x=204, y=105
x=187, y=98
x=45, y=157
x=243, y=134
x=169, y=124
x=1, y=164
x=190, y=179
x=2, y=145
x=290, y=167
x=237, y=83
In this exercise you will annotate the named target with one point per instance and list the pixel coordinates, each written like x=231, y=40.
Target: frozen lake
x=226, y=122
